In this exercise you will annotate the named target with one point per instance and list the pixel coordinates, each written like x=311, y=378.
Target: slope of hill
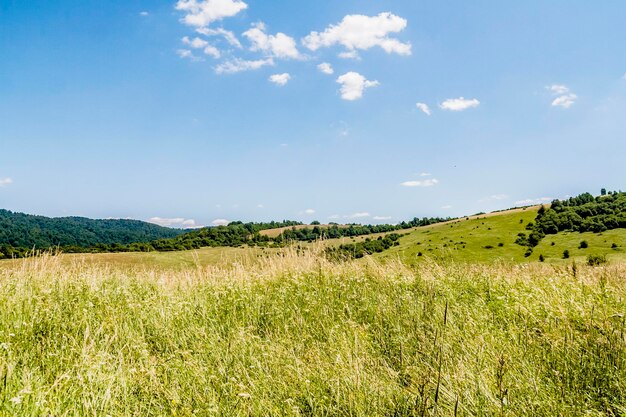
x=28, y=231
x=491, y=238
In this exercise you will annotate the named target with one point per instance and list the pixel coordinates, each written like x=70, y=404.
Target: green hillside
x=491, y=238
x=21, y=230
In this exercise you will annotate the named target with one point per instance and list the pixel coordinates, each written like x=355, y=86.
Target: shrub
x=541, y=258
x=583, y=245
x=565, y=254
x=614, y=246
x=595, y=260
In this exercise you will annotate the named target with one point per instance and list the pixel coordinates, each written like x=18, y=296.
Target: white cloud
x=212, y=51
x=326, y=68
x=381, y=218
x=359, y=215
x=5, y=181
x=220, y=222
x=202, y=13
x=280, y=79
x=566, y=101
x=177, y=222
x=421, y=183
x=186, y=53
x=227, y=34
x=423, y=107
x=558, y=89
x=309, y=211
x=426, y=174
x=459, y=104
x=349, y=55
x=144, y=13
x=533, y=201
x=195, y=43
x=239, y=65
x=353, y=84
x=499, y=197
x=565, y=97
x=356, y=32
x=278, y=46
x=448, y=207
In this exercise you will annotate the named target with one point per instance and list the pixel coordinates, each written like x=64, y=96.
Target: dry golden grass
x=295, y=334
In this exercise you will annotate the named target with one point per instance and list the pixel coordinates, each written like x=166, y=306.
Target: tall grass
x=296, y=335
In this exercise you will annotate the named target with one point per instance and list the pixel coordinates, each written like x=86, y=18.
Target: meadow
x=491, y=238
x=294, y=334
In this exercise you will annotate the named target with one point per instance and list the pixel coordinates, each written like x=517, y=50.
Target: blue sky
x=187, y=112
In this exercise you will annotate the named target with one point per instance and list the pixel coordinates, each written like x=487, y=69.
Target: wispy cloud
x=239, y=65
x=5, y=181
x=446, y=207
x=177, y=222
x=144, y=13
x=565, y=101
x=226, y=34
x=382, y=218
x=280, y=79
x=309, y=212
x=431, y=182
x=187, y=54
x=565, y=98
x=220, y=222
x=459, y=104
x=359, y=215
x=326, y=68
x=353, y=85
x=197, y=43
x=533, y=201
x=423, y=107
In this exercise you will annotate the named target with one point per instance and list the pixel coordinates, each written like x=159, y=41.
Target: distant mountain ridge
x=28, y=231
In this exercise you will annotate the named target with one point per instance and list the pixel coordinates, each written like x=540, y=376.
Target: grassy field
x=487, y=238
x=296, y=335
x=491, y=238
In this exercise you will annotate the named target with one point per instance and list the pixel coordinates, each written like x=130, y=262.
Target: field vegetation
x=297, y=334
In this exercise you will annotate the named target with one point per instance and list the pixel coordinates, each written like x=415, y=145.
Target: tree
x=603, y=191
x=565, y=254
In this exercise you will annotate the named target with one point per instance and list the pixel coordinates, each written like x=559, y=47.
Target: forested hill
x=28, y=231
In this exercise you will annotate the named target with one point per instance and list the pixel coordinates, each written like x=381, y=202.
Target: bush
x=541, y=258
x=565, y=254
x=583, y=245
x=595, y=260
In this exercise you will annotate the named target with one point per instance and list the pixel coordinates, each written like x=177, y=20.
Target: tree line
x=233, y=235
x=583, y=213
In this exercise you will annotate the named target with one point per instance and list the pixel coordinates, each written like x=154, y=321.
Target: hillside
x=28, y=231
x=492, y=237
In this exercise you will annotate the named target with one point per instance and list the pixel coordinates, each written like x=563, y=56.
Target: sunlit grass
x=297, y=335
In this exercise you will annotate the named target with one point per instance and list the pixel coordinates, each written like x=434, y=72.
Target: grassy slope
x=443, y=242
x=477, y=232
x=298, y=336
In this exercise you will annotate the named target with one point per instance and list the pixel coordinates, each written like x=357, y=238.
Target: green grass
x=491, y=238
x=295, y=335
